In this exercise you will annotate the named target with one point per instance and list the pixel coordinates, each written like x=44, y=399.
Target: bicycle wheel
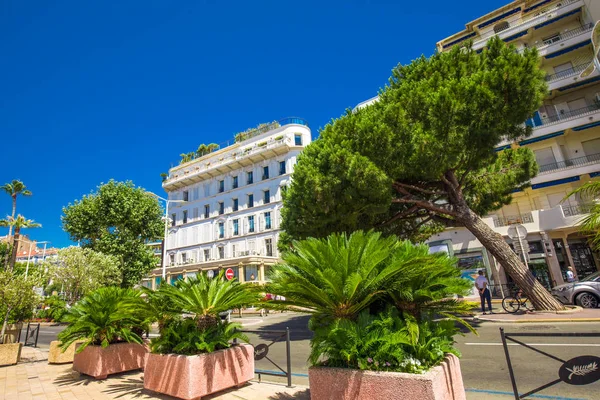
x=511, y=304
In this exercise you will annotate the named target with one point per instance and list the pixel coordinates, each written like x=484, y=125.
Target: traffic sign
x=517, y=231
x=229, y=274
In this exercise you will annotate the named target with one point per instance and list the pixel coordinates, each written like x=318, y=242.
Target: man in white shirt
x=481, y=284
x=570, y=275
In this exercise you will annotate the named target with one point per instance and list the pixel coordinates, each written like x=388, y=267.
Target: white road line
x=539, y=344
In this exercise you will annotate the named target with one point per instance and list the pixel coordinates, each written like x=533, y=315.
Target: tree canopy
x=118, y=219
x=424, y=156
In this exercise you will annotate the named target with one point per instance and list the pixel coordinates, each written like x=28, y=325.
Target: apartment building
x=565, y=139
x=229, y=210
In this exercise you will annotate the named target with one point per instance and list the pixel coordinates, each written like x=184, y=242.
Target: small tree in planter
x=194, y=357
x=108, y=322
x=373, y=301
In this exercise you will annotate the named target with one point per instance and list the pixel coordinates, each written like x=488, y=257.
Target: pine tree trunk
x=512, y=264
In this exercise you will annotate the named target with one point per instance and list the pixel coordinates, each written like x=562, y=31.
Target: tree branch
x=426, y=205
x=418, y=189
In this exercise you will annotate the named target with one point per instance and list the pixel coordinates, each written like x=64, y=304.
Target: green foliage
x=118, y=219
x=391, y=166
x=17, y=297
x=590, y=223
x=79, y=271
x=105, y=316
x=182, y=336
x=57, y=308
x=384, y=342
x=261, y=128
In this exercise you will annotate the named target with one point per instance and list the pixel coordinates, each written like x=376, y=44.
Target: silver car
x=585, y=293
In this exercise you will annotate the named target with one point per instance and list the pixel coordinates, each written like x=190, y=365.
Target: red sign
x=229, y=274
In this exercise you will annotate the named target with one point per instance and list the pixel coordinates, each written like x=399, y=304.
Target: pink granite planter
x=443, y=382
x=120, y=357
x=191, y=377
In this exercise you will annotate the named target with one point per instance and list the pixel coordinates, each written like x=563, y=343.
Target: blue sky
x=91, y=91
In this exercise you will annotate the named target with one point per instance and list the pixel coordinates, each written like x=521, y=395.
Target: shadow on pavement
x=303, y=395
x=72, y=378
x=133, y=388
x=298, y=328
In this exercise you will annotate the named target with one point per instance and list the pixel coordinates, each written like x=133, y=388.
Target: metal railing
x=573, y=162
x=528, y=22
x=261, y=351
x=513, y=219
x=562, y=36
x=577, y=209
x=568, y=72
x=592, y=108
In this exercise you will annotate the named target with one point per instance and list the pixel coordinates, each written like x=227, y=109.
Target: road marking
x=246, y=323
x=539, y=344
x=534, y=396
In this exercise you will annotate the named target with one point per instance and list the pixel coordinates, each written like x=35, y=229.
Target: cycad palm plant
x=590, y=223
x=107, y=315
x=336, y=277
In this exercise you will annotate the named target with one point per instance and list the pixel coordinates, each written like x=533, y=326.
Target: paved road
x=483, y=362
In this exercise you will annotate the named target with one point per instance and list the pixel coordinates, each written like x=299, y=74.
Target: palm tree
x=18, y=223
x=14, y=189
x=590, y=224
x=105, y=316
x=207, y=298
x=336, y=277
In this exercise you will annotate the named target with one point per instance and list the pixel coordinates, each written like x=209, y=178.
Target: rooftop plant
x=261, y=128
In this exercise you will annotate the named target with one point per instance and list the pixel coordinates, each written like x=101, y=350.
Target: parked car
x=585, y=293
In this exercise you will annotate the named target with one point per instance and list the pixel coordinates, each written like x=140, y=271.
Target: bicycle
x=513, y=304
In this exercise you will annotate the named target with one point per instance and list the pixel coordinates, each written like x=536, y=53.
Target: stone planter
x=10, y=353
x=12, y=332
x=440, y=383
x=119, y=357
x=56, y=356
x=191, y=377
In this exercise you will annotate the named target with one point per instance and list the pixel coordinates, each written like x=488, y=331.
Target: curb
x=539, y=320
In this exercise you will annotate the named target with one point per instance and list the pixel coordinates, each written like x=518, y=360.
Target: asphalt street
x=483, y=361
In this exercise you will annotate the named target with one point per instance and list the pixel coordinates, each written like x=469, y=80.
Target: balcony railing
x=590, y=109
x=576, y=209
x=526, y=23
x=573, y=162
x=562, y=36
x=568, y=72
x=513, y=219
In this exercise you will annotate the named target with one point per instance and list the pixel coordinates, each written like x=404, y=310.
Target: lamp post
x=164, y=247
x=29, y=256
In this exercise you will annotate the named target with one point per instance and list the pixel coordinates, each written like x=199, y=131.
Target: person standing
x=570, y=275
x=481, y=284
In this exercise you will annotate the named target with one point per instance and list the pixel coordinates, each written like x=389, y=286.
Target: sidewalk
x=576, y=315
x=34, y=379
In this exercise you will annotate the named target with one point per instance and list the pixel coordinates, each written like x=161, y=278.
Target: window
x=281, y=167
x=221, y=208
x=221, y=252
x=265, y=173
x=221, y=230
x=235, y=205
x=185, y=216
x=171, y=259
x=267, y=197
x=269, y=247
x=251, y=273
x=236, y=227
x=185, y=195
x=249, y=177
x=221, y=186
x=551, y=39
x=267, y=220
x=173, y=219
x=206, y=254
x=251, y=223
x=298, y=140
x=235, y=182
x=233, y=250
x=183, y=258
x=250, y=200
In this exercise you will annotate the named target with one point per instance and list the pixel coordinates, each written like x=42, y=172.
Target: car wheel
x=587, y=300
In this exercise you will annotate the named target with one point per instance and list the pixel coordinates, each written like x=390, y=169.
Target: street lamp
x=164, y=247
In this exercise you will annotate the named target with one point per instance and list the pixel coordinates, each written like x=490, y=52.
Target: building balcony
x=567, y=168
x=561, y=41
x=570, y=163
x=576, y=210
x=553, y=11
x=512, y=219
x=570, y=76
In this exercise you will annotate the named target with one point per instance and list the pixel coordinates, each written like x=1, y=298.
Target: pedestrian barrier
x=30, y=333
x=581, y=370
x=261, y=351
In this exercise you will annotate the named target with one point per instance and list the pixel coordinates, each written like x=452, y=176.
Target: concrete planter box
x=119, y=357
x=56, y=356
x=191, y=377
x=443, y=382
x=12, y=332
x=10, y=353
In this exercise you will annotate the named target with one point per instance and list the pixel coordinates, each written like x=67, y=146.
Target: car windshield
x=592, y=277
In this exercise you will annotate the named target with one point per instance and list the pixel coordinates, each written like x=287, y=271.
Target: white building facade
x=231, y=214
